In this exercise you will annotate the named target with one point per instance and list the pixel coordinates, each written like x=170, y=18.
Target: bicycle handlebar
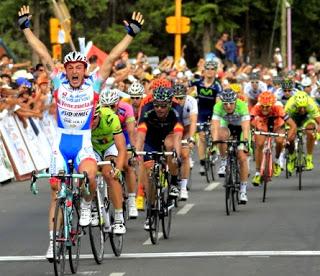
x=159, y=153
x=271, y=134
x=238, y=142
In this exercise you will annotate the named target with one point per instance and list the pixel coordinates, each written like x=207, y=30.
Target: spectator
x=219, y=46
x=277, y=59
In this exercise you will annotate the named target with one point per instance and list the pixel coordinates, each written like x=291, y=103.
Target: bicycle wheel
x=287, y=161
x=213, y=158
x=166, y=206
x=228, y=191
x=153, y=215
x=59, y=239
x=300, y=162
x=116, y=240
x=207, y=166
x=75, y=236
x=189, y=185
x=266, y=175
x=96, y=233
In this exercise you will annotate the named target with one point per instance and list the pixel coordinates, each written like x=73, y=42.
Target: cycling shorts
x=111, y=151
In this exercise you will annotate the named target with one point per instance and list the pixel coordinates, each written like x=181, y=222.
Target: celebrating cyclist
x=159, y=125
x=304, y=111
x=231, y=117
x=189, y=117
x=76, y=96
x=109, y=143
x=208, y=88
x=267, y=116
x=110, y=98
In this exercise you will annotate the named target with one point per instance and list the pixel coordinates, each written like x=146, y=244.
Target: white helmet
x=136, y=89
x=109, y=96
x=306, y=82
x=75, y=57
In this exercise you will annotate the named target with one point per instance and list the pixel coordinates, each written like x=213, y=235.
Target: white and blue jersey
x=75, y=110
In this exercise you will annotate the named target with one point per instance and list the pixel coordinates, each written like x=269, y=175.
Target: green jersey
x=102, y=135
x=240, y=114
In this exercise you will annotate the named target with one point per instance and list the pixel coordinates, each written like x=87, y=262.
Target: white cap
x=306, y=82
x=156, y=72
x=22, y=74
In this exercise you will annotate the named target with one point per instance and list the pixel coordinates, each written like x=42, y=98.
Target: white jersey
x=190, y=107
x=253, y=94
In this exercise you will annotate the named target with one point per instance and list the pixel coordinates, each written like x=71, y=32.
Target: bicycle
x=66, y=229
x=232, y=176
x=266, y=167
x=300, y=161
x=103, y=217
x=159, y=203
x=210, y=156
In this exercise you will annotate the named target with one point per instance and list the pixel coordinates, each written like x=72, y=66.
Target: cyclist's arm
x=215, y=125
x=292, y=129
x=318, y=124
x=193, y=124
x=245, y=125
x=177, y=136
x=120, y=143
x=130, y=128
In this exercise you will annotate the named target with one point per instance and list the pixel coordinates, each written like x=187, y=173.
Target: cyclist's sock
x=132, y=199
x=202, y=162
x=243, y=187
x=51, y=235
x=118, y=215
x=183, y=184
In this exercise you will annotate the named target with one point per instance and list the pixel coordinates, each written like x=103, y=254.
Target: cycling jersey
x=277, y=115
x=75, y=107
x=239, y=114
x=253, y=94
x=190, y=107
x=157, y=129
x=206, y=98
x=102, y=136
x=282, y=97
x=312, y=110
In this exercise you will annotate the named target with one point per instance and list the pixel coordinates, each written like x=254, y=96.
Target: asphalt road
x=278, y=237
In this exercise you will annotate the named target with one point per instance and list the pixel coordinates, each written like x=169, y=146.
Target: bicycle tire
x=154, y=221
x=266, y=174
x=207, y=167
x=189, y=185
x=166, y=207
x=96, y=233
x=228, y=196
x=59, y=243
x=75, y=236
x=300, y=162
x=287, y=161
x=213, y=166
x=116, y=240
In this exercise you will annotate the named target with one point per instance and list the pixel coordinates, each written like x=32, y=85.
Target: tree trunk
x=206, y=40
x=36, y=27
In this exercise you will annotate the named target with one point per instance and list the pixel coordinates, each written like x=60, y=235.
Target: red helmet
x=267, y=98
x=160, y=82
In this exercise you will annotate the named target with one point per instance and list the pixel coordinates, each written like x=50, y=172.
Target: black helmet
x=228, y=96
x=179, y=90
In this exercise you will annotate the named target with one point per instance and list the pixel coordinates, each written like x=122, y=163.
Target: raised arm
x=133, y=28
x=34, y=42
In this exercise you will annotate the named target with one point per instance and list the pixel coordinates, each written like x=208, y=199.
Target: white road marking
x=117, y=274
x=185, y=209
x=212, y=186
x=304, y=253
x=148, y=241
x=82, y=273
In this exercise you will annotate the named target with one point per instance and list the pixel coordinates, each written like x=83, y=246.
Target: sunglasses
x=256, y=82
x=227, y=103
x=179, y=98
x=287, y=90
x=135, y=98
x=210, y=68
x=265, y=106
x=162, y=106
x=113, y=106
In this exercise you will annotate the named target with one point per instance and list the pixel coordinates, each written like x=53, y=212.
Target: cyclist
x=109, y=144
x=136, y=91
x=304, y=111
x=76, y=97
x=208, y=88
x=306, y=85
x=110, y=98
x=189, y=117
x=231, y=117
x=268, y=115
x=253, y=88
x=286, y=90
x=160, y=124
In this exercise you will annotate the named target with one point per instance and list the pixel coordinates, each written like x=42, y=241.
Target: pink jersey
x=125, y=114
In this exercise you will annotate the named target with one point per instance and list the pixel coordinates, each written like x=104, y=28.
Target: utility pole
x=36, y=28
x=283, y=39
x=289, y=34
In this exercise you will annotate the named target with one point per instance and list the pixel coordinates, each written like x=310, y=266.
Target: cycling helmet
x=160, y=82
x=306, y=82
x=163, y=94
x=179, y=90
x=267, y=98
x=211, y=65
x=301, y=99
x=136, y=89
x=75, y=57
x=277, y=80
x=109, y=96
x=235, y=87
x=228, y=96
x=287, y=84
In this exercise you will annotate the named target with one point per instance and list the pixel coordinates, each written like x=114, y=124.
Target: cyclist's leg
x=173, y=168
x=310, y=137
x=259, y=142
x=244, y=171
x=224, y=134
x=202, y=118
x=185, y=170
x=279, y=148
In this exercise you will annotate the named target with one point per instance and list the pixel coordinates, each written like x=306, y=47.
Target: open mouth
x=75, y=78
